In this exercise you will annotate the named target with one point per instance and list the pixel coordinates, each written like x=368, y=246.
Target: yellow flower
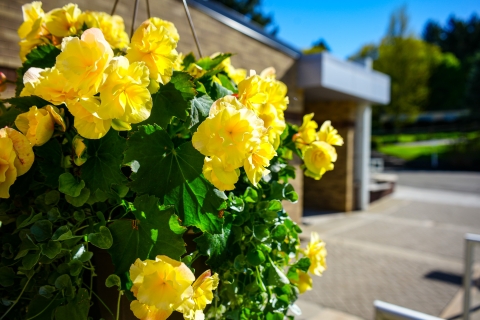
x=329, y=134
x=257, y=161
x=319, y=157
x=84, y=60
x=125, y=94
x=32, y=17
x=16, y=158
x=228, y=133
x=276, y=93
x=237, y=75
x=156, y=48
x=178, y=64
x=79, y=149
x=38, y=125
x=307, y=132
x=274, y=121
x=304, y=282
x=172, y=31
x=8, y=172
x=203, y=287
x=250, y=92
x=86, y=120
x=214, y=171
x=63, y=22
x=195, y=70
x=112, y=27
x=160, y=286
x=50, y=85
x=317, y=254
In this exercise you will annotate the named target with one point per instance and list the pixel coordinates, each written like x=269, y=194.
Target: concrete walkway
x=406, y=249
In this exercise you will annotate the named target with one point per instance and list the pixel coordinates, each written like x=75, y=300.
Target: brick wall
x=335, y=190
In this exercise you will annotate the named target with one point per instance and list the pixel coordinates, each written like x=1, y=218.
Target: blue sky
x=348, y=24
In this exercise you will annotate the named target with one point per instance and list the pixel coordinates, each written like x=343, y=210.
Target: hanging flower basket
x=117, y=153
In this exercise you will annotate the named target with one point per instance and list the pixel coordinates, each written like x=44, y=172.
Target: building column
x=363, y=120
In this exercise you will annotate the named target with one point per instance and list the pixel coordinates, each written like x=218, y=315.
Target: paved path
x=406, y=249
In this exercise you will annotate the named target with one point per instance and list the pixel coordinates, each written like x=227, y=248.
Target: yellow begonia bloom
x=329, y=134
x=125, y=95
x=16, y=158
x=307, y=132
x=276, y=94
x=83, y=61
x=228, y=134
x=257, y=161
x=79, y=149
x=273, y=120
x=195, y=70
x=178, y=64
x=304, y=282
x=38, y=125
x=112, y=27
x=172, y=31
x=317, y=254
x=160, y=286
x=237, y=75
x=156, y=48
x=87, y=122
x=203, y=287
x=63, y=22
x=215, y=172
x=319, y=157
x=251, y=92
x=48, y=84
x=32, y=13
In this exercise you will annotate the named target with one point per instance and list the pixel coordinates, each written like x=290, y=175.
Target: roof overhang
x=240, y=23
x=325, y=77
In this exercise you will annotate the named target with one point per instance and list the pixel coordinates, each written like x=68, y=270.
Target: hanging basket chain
x=114, y=7
x=148, y=9
x=187, y=12
x=134, y=18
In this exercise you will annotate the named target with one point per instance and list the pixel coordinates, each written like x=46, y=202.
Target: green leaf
x=208, y=63
x=25, y=103
x=62, y=233
x=303, y=264
x=179, y=183
x=46, y=291
x=276, y=277
x=175, y=225
x=215, y=246
x=80, y=253
x=80, y=200
x=113, y=280
x=42, y=230
x=188, y=59
x=255, y=257
x=226, y=82
x=28, y=221
x=250, y=195
x=77, y=309
x=43, y=56
x=40, y=308
x=7, y=276
x=64, y=282
x=261, y=232
x=102, y=239
x=200, y=108
x=283, y=192
x=51, y=249
x=146, y=237
x=217, y=91
x=49, y=158
x=30, y=260
x=103, y=167
x=52, y=197
x=76, y=267
x=8, y=116
x=172, y=100
x=69, y=185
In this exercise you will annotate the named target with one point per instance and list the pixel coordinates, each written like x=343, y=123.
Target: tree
x=409, y=62
x=472, y=95
x=317, y=47
x=252, y=10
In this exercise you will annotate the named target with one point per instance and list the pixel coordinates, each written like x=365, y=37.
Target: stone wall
x=335, y=190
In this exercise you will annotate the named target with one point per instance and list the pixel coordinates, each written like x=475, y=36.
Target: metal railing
x=388, y=311
x=470, y=241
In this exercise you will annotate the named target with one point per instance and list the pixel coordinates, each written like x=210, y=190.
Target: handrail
x=388, y=311
x=470, y=240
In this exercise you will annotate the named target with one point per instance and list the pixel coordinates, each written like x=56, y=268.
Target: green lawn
x=403, y=138
x=412, y=152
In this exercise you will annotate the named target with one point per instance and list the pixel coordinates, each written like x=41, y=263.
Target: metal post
x=187, y=12
x=470, y=241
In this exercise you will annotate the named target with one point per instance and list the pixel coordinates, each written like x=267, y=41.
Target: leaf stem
x=120, y=293
x=99, y=299
x=51, y=301
x=15, y=302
